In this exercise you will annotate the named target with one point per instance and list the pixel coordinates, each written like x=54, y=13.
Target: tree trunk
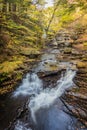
x=10, y=7
x=7, y=7
x=14, y=7
x=4, y=6
x=1, y=7
x=52, y=16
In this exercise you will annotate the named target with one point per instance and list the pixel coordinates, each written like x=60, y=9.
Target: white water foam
x=21, y=126
x=31, y=85
x=47, y=97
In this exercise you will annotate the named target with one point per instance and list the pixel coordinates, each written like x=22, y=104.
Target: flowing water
x=44, y=99
x=47, y=97
x=45, y=109
x=31, y=85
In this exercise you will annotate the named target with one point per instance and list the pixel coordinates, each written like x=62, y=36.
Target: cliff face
x=72, y=43
x=77, y=97
x=75, y=51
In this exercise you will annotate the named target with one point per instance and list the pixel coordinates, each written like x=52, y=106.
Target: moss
x=19, y=76
x=53, y=67
x=9, y=66
x=30, y=50
x=84, y=59
x=81, y=64
x=85, y=44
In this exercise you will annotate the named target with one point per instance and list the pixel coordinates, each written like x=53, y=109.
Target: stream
x=35, y=107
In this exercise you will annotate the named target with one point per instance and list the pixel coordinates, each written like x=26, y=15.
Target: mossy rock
x=81, y=64
x=85, y=45
x=8, y=67
x=84, y=59
x=53, y=67
x=68, y=51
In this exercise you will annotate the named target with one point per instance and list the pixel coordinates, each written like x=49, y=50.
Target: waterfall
x=31, y=85
x=47, y=97
x=43, y=98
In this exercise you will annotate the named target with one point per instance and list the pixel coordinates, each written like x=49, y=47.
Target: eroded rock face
x=63, y=38
x=76, y=98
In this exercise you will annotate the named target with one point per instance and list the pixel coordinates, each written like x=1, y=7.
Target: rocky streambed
x=52, y=96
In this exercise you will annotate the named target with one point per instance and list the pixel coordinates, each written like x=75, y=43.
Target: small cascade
x=39, y=98
x=31, y=85
x=48, y=96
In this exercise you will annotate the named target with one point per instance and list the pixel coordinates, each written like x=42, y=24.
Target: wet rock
x=50, y=78
x=47, y=74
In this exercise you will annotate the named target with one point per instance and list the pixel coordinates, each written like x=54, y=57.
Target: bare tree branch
x=52, y=16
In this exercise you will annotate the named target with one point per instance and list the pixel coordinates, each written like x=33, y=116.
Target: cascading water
x=31, y=85
x=21, y=126
x=41, y=98
x=47, y=97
